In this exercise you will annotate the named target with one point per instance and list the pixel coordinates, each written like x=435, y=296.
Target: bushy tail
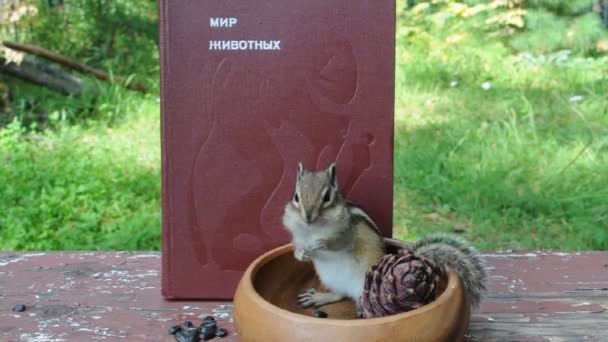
x=454, y=252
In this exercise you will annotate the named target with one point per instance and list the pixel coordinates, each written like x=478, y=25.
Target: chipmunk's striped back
x=358, y=213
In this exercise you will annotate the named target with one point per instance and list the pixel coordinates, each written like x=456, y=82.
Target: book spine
x=163, y=7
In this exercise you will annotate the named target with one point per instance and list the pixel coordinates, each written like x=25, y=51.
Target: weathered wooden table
x=71, y=296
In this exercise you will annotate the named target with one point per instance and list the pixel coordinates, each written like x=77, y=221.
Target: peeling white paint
x=582, y=304
x=22, y=257
x=139, y=256
x=39, y=337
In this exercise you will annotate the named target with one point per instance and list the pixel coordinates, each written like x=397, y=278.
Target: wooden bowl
x=265, y=308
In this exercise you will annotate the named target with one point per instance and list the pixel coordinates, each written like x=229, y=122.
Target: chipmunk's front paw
x=316, y=299
x=318, y=245
x=301, y=254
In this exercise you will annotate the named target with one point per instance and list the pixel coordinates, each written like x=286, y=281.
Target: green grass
x=83, y=173
x=523, y=164
x=516, y=166
x=82, y=188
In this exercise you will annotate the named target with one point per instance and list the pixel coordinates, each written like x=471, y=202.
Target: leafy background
x=501, y=126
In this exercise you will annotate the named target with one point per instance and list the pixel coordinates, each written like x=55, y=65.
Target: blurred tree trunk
x=53, y=3
x=604, y=13
x=5, y=100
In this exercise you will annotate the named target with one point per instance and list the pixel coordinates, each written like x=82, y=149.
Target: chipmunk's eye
x=296, y=198
x=326, y=197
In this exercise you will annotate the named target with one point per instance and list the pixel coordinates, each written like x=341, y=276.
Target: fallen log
x=35, y=71
x=70, y=63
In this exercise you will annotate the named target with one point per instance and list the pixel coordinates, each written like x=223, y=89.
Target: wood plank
x=75, y=296
x=93, y=296
x=544, y=296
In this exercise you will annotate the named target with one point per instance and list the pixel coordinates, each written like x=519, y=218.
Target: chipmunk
x=338, y=237
x=343, y=242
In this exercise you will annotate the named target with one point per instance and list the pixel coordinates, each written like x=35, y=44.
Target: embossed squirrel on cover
x=343, y=242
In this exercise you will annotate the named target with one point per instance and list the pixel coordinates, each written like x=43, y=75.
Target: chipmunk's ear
x=333, y=178
x=300, y=171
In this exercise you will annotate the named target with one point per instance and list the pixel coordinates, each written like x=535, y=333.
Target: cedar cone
x=400, y=282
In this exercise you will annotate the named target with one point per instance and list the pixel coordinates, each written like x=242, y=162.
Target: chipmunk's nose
x=311, y=217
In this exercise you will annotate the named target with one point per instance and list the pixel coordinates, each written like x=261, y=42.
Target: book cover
x=248, y=89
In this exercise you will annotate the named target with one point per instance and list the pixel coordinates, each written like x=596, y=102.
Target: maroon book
x=249, y=88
